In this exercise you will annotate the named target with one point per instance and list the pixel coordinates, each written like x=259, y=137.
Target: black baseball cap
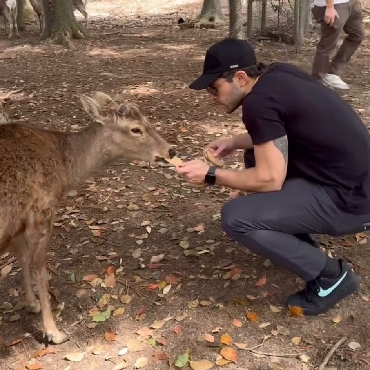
x=223, y=56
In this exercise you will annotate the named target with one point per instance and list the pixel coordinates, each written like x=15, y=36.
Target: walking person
x=336, y=17
x=307, y=158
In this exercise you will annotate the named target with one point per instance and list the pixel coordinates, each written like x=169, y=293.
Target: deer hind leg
x=21, y=250
x=38, y=242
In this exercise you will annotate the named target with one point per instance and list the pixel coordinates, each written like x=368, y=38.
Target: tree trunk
x=61, y=25
x=211, y=12
x=20, y=9
x=236, y=30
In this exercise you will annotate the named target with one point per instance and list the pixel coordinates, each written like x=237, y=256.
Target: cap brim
x=203, y=81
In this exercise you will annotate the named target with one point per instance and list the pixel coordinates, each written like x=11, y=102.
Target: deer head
x=130, y=134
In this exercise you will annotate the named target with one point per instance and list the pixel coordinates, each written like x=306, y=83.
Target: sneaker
x=334, y=82
x=323, y=293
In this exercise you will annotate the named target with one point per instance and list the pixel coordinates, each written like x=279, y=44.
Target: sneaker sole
x=348, y=287
x=331, y=86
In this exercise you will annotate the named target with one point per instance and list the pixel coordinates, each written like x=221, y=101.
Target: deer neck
x=87, y=153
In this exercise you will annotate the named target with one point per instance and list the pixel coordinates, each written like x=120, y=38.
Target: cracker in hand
x=175, y=161
x=209, y=155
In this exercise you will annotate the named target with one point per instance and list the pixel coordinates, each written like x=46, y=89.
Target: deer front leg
x=15, y=24
x=20, y=247
x=40, y=242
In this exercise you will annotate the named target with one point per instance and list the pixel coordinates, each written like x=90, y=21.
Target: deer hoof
x=57, y=337
x=34, y=307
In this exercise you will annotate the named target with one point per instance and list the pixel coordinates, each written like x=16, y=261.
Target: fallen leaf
x=275, y=366
x=110, y=336
x=241, y=345
x=252, y=316
x=160, y=355
x=110, y=281
x=296, y=311
x=34, y=366
x=222, y=362
x=133, y=207
x=122, y=351
x=237, y=323
x=336, y=319
x=157, y=259
x=201, y=365
x=282, y=330
x=42, y=352
x=75, y=356
x=177, y=329
x=262, y=281
x=205, y=303
x=145, y=331
x=354, y=345
x=229, y=353
x=121, y=365
x=172, y=279
x=4, y=272
x=193, y=304
x=166, y=289
x=226, y=339
x=304, y=358
x=102, y=316
x=182, y=360
x=136, y=253
x=157, y=324
x=125, y=299
x=274, y=309
x=264, y=325
x=296, y=340
x=209, y=338
x=119, y=311
x=141, y=362
x=89, y=278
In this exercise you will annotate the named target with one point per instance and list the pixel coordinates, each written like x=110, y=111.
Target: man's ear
x=242, y=77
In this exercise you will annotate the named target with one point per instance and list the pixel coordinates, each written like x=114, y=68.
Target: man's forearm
x=243, y=141
x=248, y=180
x=329, y=3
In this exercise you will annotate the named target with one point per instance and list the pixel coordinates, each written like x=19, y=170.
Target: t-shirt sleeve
x=262, y=117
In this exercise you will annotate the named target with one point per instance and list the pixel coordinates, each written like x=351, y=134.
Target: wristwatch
x=210, y=177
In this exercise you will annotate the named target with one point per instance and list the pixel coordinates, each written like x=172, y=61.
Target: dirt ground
x=141, y=268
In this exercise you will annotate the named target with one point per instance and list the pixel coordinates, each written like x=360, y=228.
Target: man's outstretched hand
x=194, y=171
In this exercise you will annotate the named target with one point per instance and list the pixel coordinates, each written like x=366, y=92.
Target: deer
x=8, y=9
x=80, y=5
x=38, y=166
x=39, y=10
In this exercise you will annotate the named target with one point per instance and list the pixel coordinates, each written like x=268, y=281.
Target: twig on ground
x=330, y=353
x=253, y=350
x=5, y=96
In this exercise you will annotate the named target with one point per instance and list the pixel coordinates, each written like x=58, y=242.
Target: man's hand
x=194, y=171
x=222, y=147
x=330, y=15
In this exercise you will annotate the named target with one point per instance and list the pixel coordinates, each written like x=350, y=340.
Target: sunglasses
x=227, y=76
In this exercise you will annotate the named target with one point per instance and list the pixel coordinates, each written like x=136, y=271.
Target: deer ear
x=92, y=108
x=102, y=98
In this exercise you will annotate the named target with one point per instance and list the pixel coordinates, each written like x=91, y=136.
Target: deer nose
x=172, y=152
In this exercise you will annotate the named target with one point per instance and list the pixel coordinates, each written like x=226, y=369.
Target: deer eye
x=136, y=131
x=122, y=110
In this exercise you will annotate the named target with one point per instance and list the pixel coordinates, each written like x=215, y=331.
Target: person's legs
x=322, y=69
x=355, y=34
x=329, y=36
x=276, y=224
x=249, y=161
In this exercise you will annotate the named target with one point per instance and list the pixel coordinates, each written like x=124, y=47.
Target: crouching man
x=307, y=157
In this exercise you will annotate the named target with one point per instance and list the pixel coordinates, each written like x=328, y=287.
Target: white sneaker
x=334, y=81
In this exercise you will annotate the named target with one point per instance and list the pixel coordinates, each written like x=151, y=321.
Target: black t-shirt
x=328, y=143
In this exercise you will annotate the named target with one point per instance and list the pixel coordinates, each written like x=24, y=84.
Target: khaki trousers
x=350, y=21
